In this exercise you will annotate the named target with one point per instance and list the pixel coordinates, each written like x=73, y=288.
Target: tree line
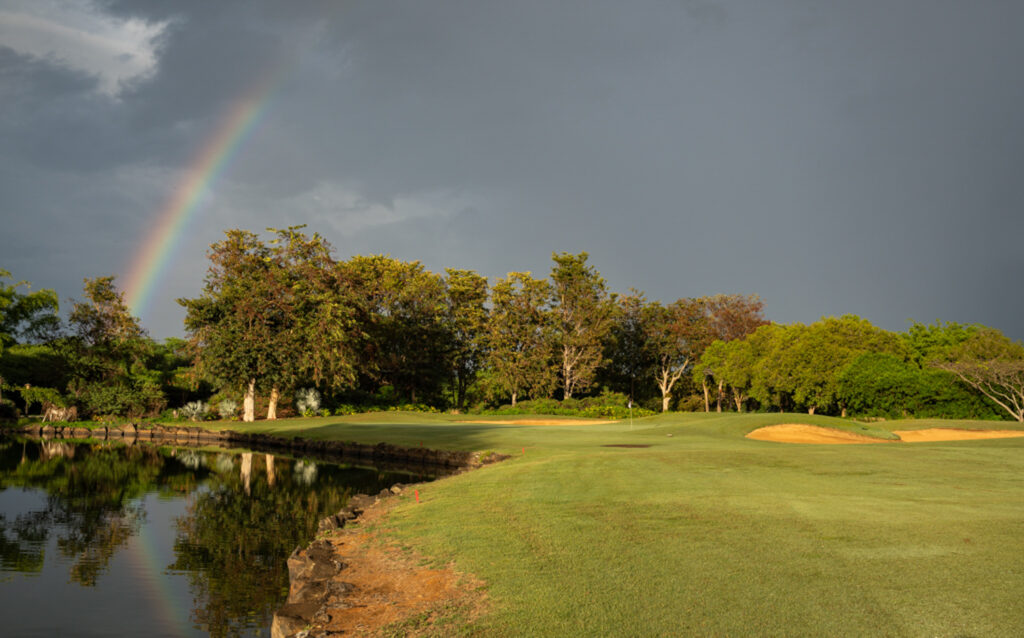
x=281, y=314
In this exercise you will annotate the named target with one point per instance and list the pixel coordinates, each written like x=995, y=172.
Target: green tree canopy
x=583, y=312
x=519, y=350
x=991, y=364
x=25, y=315
x=466, y=321
x=240, y=327
x=106, y=354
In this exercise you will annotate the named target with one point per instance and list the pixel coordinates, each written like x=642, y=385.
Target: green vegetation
x=708, y=533
x=282, y=316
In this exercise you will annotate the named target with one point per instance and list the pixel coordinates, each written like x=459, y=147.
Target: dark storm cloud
x=849, y=157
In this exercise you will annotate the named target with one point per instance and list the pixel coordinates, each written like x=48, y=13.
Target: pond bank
x=191, y=436
x=348, y=581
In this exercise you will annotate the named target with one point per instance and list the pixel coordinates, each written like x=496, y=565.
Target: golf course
x=680, y=524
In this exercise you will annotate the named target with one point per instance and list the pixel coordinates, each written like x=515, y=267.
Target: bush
x=345, y=409
x=227, y=408
x=607, y=405
x=32, y=395
x=194, y=410
x=8, y=411
x=307, y=401
x=131, y=398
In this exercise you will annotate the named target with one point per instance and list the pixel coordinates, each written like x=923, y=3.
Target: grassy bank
x=705, y=532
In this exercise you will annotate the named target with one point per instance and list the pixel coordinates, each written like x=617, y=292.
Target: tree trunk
x=275, y=394
x=810, y=410
x=567, y=379
x=514, y=395
x=707, y=395
x=664, y=401
x=249, y=403
x=738, y=397
x=718, y=405
x=844, y=412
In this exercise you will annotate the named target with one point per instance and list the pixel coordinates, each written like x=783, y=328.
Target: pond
x=101, y=539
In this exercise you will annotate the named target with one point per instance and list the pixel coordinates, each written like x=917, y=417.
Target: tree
x=239, y=328
x=931, y=342
x=583, y=316
x=401, y=315
x=730, y=317
x=322, y=329
x=467, y=321
x=106, y=355
x=991, y=364
x=25, y=316
x=734, y=363
x=519, y=336
x=676, y=336
x=627, y=355
x=879, y=384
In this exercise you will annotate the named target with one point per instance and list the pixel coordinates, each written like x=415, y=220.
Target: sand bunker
x=797, y=433
x=952, y=434
x=541, y=422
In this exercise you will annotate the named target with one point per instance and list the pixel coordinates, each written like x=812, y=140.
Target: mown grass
x=706, y=532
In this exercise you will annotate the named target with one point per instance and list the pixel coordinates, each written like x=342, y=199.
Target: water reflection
x=229, y=519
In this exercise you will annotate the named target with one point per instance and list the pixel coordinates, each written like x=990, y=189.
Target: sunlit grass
x=706, y=532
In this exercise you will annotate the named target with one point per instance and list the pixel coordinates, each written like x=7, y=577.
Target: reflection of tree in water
x=234, y=544
x=89, y=506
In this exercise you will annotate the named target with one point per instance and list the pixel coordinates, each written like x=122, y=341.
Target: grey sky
x=833, y=157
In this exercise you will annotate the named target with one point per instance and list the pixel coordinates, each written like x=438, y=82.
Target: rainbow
x=172, y=614
x=156, y=252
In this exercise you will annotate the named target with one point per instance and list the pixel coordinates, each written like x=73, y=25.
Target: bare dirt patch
x=954, y=434
x=541, y=422
x=386, y=589
x=799, y=433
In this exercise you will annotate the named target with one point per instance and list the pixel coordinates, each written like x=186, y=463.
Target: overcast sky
x=849, y=156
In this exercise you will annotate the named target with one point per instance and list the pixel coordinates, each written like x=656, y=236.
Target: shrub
x=307, y=401
x=194, y=410
x=345, y=409
x=227, y=408
x=8, y=411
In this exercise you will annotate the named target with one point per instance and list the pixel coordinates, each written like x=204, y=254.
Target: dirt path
x=382, y=587
x=797, y=433
x=953, y=434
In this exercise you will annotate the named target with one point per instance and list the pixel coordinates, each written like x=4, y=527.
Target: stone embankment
x=193, y=436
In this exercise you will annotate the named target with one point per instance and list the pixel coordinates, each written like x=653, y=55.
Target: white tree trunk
x=514, y=395
x=810, y=410
x=721, y=391
x=707, y=395
x=249, y=403
x=271, y=477
x=275, y=394
x=247, y=472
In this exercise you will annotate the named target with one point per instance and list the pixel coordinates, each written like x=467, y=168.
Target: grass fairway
x=708, y=533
